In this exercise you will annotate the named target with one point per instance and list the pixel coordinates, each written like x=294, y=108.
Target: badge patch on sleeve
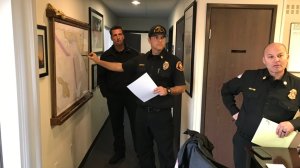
x=179, y=66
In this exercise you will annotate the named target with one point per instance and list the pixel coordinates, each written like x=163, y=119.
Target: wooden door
x=236, y=37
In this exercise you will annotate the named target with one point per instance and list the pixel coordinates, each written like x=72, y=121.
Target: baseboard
x=92, y=146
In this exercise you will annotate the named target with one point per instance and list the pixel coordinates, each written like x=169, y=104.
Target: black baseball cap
x=157, y=29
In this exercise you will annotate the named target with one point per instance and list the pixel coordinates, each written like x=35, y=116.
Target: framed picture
x=189, y=45
x=42, y=50
x=94, y=76
x=70, y=65
x=96, y=32
x=294, y=49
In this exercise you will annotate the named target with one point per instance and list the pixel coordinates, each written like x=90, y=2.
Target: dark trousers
x=116, y=105
x=154, y=124
x=240, y=148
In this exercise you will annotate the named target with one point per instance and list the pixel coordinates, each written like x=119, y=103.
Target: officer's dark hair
x=114, y=28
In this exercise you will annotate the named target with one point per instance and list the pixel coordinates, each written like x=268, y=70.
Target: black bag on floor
x=196, y=152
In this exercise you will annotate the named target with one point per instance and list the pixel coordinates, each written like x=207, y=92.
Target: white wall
x=65, y=146
x=292, y=14
x=18, y=86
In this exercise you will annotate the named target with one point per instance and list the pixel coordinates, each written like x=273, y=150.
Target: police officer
x=154, y=117
x=271, y=93
x=113, y=87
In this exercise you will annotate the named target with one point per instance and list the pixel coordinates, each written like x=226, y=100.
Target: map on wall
x=71, y=65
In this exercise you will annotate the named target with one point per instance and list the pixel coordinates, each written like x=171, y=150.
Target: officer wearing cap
x=154, y=117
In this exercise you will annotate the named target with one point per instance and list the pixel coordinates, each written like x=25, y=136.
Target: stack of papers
x=143, y=87
x=266, y=136
x=269, y=165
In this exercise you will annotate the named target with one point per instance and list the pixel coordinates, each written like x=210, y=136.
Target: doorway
x=236, y=37
x=133, y=40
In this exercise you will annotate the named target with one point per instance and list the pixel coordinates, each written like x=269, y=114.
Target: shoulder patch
x=179, y=66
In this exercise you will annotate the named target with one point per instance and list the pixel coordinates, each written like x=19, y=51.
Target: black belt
x=154, y=109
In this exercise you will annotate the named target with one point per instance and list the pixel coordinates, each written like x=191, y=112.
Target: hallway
x=103, y=149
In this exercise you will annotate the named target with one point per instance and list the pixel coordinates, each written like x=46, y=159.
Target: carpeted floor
x=103, y=149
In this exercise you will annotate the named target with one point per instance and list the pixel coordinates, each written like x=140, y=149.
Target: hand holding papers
x=266, y=136
x=143, y=87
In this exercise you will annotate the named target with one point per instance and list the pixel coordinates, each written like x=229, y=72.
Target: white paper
x=269, y=165
x=143, y=87
x=266, y=136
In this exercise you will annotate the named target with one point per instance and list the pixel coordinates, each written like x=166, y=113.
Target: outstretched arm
x=113, y=66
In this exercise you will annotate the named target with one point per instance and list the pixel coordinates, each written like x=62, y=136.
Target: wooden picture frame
x=294, y=49
x=96, y=31
x=70, y=65
x=42, y=50
x=189, y=45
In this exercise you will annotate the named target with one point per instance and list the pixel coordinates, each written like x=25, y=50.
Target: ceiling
x=147, y=8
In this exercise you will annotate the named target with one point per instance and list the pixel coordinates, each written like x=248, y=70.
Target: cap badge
x=179, y=66
x=293, y=93
x=159, y=29
x=165, y=65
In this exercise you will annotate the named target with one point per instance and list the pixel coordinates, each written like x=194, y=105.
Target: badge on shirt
x=166, y=65
x=179, y=66
x=293, y=93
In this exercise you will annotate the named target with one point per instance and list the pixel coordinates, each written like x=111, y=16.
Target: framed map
x=70, y=65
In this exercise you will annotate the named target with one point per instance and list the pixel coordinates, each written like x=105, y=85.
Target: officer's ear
x=263, y=60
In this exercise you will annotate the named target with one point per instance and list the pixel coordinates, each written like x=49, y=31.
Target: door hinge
x=209, y=35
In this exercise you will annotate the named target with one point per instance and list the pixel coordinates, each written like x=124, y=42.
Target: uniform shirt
x=115, y=82
x=164, y=69
x=262, y=97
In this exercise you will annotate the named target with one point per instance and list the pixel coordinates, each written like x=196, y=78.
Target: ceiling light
x=135, y=2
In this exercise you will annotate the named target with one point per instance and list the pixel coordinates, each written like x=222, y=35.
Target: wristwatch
x=169, y=91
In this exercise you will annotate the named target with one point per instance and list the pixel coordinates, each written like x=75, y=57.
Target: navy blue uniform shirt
x=115, y=82
x=262, y=97
x=163, y=69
